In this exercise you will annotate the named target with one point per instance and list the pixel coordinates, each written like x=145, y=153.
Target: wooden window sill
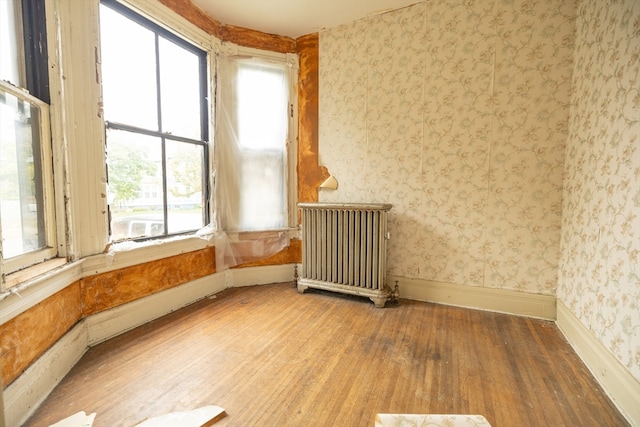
x=14, y=279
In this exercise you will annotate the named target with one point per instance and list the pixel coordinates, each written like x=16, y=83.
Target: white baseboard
x=29, y=390
x=262, y=275
x=498, y=300
x=107, y=324
x=618, y=383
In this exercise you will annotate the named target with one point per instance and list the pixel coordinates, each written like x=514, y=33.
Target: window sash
x=49, y=249
x=23, y=46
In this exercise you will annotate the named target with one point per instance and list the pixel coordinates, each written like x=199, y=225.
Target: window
x=27, y=217
x=252, y=134
x=155, y=110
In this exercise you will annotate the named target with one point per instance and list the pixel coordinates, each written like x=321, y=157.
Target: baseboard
x=262, y=275
x=618, y=383
x=498, y=300
x=108, y=324
x=30, y=389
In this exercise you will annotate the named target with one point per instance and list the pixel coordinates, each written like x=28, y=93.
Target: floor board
x=273, y=357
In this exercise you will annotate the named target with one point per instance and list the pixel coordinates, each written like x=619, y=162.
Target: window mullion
x=135, y=129
x=165, y=207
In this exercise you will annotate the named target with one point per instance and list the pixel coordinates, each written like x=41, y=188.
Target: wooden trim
x=257, y=39
x=38, y=289
x=238, y=35
x=107, y=290
x=616, y=380
x=498, y=300
x=310, y=173
x=193, y=14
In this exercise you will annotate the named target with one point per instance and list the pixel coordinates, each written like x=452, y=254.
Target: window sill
x=128, y=253
x=22, y=276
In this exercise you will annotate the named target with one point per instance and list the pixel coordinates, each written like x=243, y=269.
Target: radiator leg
x=379, y=301
x=302, y=288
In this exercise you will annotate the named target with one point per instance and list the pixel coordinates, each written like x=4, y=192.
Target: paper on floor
x=201, y=417
x=431, y=420
x=81, y=419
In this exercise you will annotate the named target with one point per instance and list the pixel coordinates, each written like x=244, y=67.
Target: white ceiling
x=295, y=18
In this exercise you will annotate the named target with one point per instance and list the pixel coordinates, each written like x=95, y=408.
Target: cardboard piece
x=202, y=417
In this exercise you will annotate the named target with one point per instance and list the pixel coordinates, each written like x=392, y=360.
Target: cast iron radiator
x=344, y=249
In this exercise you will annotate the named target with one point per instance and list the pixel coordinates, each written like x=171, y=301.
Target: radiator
x=344, y=249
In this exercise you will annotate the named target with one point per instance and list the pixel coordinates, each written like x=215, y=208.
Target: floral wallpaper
x=599, y=278
x=455, y=112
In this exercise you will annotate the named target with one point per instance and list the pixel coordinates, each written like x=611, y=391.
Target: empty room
x=320, y=213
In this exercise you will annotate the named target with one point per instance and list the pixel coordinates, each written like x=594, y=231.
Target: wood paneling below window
x=25, y=337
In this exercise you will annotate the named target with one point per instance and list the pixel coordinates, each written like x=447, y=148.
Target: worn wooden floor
x=273, y=357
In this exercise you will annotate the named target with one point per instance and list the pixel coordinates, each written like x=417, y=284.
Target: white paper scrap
x=196, y=418
x=81, y=419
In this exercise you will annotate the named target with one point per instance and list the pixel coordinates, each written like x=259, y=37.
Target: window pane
x=262, y=107
x=135, y=185
x=263, y=195
x=11, y=66
x=128, y=71
x=184, y=186
x=21, y=199
x=262, y=130
x=180, y=90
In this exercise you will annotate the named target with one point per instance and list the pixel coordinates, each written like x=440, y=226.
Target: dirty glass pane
x=21, y=189
x=134, y=165
x=180, y=90
x=11, y=63
x=128, y=71
x=184, y=186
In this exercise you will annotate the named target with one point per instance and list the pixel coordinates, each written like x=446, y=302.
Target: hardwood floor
x=273, y=357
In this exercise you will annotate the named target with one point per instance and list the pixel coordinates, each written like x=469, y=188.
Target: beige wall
x=599, y=278
x=456, y=113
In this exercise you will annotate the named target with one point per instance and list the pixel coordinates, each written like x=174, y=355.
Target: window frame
x=203, y=52
x=33, y=65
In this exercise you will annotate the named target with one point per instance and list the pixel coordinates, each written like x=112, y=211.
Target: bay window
x=160, y=160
